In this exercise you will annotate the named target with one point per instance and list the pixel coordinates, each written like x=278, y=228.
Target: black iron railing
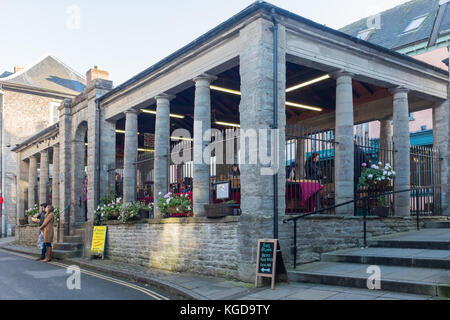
x=366, y=205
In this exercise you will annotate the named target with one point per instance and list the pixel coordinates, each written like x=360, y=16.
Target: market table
x=302, y=195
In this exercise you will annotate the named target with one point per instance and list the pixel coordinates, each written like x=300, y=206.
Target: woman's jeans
x=43, y=251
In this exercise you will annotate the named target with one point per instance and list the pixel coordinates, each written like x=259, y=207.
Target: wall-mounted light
x=177, y=116
x=308, y=83
x=290, y=104
x=227, y=124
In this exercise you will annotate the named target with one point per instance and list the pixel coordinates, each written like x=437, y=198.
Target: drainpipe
x=275, y=120
x=97, y=161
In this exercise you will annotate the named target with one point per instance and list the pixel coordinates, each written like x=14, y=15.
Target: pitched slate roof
x=5, y=74
x=49, y=74
x=394, y=22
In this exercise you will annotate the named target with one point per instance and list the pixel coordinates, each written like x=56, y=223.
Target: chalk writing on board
x=266, y=256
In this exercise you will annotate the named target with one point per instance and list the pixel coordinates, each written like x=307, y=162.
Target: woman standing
x=47, y=229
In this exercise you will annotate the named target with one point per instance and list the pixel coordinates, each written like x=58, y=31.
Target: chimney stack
x=17, y=69
x=95, y=73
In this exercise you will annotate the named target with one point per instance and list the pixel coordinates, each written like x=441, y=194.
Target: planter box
x=382, y=212
x=218, y=210
x=144, y=214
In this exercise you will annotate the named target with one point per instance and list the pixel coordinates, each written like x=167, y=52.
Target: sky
x=126, y=37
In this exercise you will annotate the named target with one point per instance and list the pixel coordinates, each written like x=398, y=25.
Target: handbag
x=40, y=242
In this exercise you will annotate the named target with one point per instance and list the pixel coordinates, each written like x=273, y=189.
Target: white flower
x=385, y=173
x=380, y=163
x=167, y=201
x=370, y=176
x=160, y=193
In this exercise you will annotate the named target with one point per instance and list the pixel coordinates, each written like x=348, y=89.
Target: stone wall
x=227, y=247
x=34, y=111
x=28, y=235
x=317, y=235
x=198, y=245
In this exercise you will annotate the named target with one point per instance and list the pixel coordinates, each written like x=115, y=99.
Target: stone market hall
x=264, y=68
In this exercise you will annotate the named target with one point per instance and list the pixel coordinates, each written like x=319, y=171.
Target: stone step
x=410, y=244
x=68, y=246
x=393, y=257
x=72, y=239
x=432, y=239
x=438, y=225
x=425, y=281
x=65, y=254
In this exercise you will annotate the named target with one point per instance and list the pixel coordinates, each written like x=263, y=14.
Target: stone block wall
x=28, y=235
x=196, y=245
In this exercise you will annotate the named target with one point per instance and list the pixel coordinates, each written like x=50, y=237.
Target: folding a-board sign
x=269, y=261
x=98, y=242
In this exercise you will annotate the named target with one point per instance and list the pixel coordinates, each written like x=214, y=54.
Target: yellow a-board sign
x=98, y=241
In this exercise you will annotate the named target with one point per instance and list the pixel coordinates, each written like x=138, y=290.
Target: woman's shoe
x=48, y=257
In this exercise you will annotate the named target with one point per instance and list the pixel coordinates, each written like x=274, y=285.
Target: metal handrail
x=365, y=206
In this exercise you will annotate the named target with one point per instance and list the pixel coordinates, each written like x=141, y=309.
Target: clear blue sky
x=125, y=37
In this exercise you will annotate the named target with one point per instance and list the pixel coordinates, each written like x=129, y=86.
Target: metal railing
x=366, y=204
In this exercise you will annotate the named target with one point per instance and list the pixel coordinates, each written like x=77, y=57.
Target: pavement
x=196, y=287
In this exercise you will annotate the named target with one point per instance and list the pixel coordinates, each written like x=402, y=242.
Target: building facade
x=260, y=71
x=30, y=98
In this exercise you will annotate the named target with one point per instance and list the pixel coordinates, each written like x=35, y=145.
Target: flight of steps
x=415, y=262
x=71, y=246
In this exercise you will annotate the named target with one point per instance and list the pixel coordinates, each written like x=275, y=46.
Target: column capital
x=341, y=73
x=165, y=96
x=205, y=77
x=399, y=89
x=132, y=110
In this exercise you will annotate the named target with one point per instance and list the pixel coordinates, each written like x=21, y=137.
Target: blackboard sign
x=269, y=261
x=266, y=257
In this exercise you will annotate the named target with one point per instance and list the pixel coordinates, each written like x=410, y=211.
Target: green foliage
x=182, y=204
x=32, y=211
x=375, y=175
x=57, y=214
x=117, y=209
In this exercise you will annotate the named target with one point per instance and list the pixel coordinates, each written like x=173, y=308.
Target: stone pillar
x=65, y=164
x=43, y=177
x=32, y=182
x=401, y=152
x=256, y=119
x=202, y=126
x=162, y=137
x=344, y=153
x=441, y=128
x=22, y=181
x=385, y=141
x=130, y=157
x=55, y=177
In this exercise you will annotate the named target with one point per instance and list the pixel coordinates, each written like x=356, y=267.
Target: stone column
x=43, y=177
x=256, y=119
x=55, y=177
x=22, y=181
x=65, y=165
x=162, y=136
x=441, y=128
x=32, y=182
x=401, y=152
x=202, y=126
x=130, y=158
x=344, y=153
x=385, y=141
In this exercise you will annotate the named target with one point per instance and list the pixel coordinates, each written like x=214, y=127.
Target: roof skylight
x=415, y=24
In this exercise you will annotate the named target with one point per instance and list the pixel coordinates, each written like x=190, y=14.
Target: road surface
x=25, y=279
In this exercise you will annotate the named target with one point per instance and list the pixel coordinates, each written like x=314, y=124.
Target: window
x=54, y=113
x=415, y=24
x=423, y=128
x=411, y=117
x=366, y=34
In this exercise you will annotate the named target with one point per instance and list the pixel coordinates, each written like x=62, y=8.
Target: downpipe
x=275, y=119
